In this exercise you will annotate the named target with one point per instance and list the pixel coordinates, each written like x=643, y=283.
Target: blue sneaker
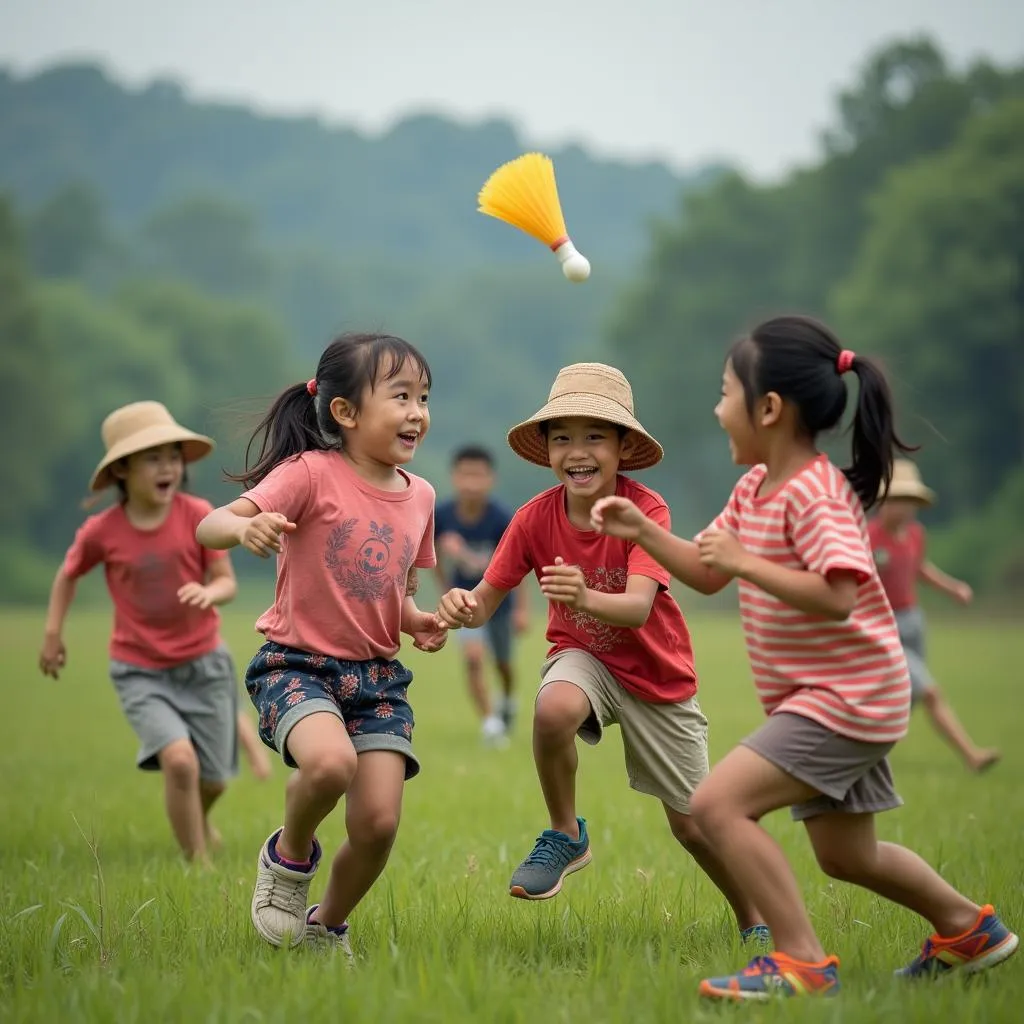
x=553, y=857
x=777, y=975
x=988, y=943
x=756, y=935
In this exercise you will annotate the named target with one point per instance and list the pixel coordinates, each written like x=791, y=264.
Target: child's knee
x=375, y=828
x=560, y=710
x=846, y=865
x=212, y=790
x=686, y=830
x=179, y=764
x=330, y=772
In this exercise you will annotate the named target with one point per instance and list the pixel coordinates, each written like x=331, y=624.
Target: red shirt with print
x=898, y=560
x=654, y=661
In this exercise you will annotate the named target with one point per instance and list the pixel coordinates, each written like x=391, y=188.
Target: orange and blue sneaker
x=987, y=943
x=776, y=975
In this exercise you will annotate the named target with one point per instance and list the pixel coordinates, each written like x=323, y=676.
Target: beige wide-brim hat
x=141, y=425
x=907, y=483
x=593, y=390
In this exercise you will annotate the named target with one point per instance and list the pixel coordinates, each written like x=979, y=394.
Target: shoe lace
x=762, y=965
x=282, y=893
x=549, y=851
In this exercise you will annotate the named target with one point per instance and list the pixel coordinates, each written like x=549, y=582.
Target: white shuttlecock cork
x=575, y=265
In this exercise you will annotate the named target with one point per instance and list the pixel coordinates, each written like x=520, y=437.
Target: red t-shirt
x=653, y=662
x=144, y=570
x=899, y=561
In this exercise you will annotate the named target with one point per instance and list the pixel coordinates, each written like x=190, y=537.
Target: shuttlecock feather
x=524, y=193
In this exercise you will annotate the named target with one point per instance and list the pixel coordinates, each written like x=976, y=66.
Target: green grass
x=439, y=938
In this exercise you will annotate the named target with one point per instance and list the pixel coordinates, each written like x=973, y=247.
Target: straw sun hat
x=593, y=390
x=141, y=425
x=907, y=483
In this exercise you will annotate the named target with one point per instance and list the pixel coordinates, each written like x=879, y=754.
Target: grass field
x=438, y=937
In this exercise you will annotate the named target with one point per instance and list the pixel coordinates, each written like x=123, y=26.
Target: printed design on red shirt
x=602, y=635
x=371, y=569
x=881, y=557
x=151, y=580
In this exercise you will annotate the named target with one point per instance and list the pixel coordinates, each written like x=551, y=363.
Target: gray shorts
x=665, y=745
x=498, y=633
x=852, y=777
x=195, y=701
x=910, y=623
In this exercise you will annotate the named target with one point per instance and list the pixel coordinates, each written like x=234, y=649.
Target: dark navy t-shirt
x=480, y=537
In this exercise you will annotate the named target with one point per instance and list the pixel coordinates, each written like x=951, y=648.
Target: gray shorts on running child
x=852, y=777
x=197, y=700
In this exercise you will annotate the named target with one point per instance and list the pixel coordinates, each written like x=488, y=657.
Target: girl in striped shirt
x=825, y=654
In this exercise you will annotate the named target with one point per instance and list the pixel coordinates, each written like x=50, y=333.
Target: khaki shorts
x=666, y=745
x=852, y=777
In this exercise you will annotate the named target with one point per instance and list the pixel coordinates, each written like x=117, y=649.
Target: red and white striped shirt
x=849, y=676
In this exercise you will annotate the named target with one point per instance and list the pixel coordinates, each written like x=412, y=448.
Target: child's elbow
x=842, y=607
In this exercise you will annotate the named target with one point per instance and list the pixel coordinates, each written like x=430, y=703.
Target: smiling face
x=585, y=455
x=392, y=418
x=152, y=477
x=737, y=422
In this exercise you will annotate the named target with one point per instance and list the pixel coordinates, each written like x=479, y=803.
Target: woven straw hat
x=141, y=425
x=907, y=483
x=586, y=389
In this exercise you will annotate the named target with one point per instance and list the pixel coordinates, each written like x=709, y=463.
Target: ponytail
x=803, y=362
x=289, y=428
x=873, y=434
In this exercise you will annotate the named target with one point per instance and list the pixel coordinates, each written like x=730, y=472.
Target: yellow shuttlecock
x=523, y=193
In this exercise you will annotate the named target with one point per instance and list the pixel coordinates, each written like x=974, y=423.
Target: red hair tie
x=845, y=361
x=311, y=386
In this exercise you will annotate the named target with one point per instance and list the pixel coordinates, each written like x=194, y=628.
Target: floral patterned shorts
x=370, y=697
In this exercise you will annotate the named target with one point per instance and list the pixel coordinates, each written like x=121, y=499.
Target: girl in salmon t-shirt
x=174, y=678
x=350, y=527
x=826, y=658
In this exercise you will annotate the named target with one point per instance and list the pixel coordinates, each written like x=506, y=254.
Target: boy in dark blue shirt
x=467, y=530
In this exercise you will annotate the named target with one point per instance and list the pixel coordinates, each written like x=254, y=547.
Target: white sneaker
x=279, y=900
x=328, y=940
x=493, y=731
x=507, y=712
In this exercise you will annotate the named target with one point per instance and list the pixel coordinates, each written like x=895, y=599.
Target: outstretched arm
x=949, y=585
x=243, y=523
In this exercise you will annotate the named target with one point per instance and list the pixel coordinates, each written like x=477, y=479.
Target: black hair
x=300, y=422
x=472, y=453
x=798, y=358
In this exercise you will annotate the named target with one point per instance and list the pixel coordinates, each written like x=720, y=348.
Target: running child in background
x=174, y=677
x=467, y=529
x=826, y=658
x=349, y=526
x=898, y=541
x=620, y=648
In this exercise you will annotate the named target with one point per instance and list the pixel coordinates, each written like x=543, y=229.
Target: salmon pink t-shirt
x=849, y=676
x=341, y=575
x=144, y=571
x=654, y=661
x=898, y=560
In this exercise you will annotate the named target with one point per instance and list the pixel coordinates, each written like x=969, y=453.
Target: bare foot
x=985, y=760
x=214, y=840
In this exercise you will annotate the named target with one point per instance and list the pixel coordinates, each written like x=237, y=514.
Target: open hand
x=195, y=595
x=564, y=584
x=617, y=517
x=261, y=534
x=962, y=592
x=721, y=550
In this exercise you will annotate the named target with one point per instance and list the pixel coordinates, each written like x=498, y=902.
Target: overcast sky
x=751, y=81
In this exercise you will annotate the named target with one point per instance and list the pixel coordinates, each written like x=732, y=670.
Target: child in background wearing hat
x=621, y=650
x=174, y=677
x=898, y=544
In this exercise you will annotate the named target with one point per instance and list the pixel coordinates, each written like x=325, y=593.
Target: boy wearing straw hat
x=620, y=648
x=898, y=543
x=174, y=678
